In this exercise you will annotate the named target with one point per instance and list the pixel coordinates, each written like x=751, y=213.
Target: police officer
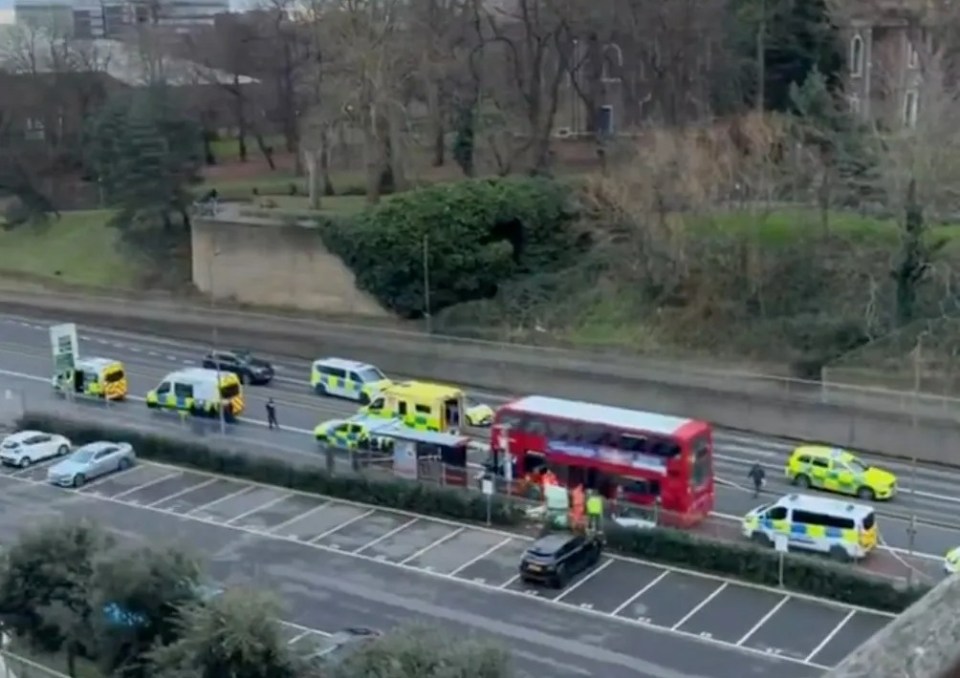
x=594, y=511
x=272, y=414
x=757, y=475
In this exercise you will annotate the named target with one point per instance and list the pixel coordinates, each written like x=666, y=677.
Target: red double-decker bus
x=644, y=457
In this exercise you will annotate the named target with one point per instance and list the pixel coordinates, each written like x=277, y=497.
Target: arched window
x=612, y=63
x=856, y=56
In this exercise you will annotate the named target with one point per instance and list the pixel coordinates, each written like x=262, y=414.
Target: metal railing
x=13, y=665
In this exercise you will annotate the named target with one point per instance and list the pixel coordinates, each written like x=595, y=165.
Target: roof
x=20, y=436
x=342, y=364
x=824, y=450
x=95, y=363
x=423, y=388
x=98, y=445
x=550, y=543
x=398, y=431
x=835, y=506
x=600, y=414
x=195, y=374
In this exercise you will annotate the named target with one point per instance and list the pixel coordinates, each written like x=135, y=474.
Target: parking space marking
x=831, y=635
x=113, y=476
x=341, y=526
x=389, y=534
x=291, y=521
x=763, y=620
x=489, y=551
x=260, y=507
x=204, y=507
x=146, y=484
x=584, y=579
x=297, y=638
x=432, y=545
x=699, y=607
x=180, y=493
x=595, y=593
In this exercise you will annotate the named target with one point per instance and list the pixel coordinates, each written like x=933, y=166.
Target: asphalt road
x=926, y=492
x=337, y=564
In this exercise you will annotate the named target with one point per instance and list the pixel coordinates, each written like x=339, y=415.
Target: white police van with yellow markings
x=841, y=529
x=347, y=379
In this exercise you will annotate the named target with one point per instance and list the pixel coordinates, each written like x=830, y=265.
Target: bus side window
x=632, y=443
x=558, y=430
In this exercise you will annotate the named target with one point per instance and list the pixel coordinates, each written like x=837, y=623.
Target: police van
x=199, y=392
x=347, y=379
x=843, y=530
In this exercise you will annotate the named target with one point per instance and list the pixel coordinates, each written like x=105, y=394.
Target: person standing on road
x=757, y=475
x=272, y=414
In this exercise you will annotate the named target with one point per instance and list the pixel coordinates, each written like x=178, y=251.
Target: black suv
x=556, y=558
x=242, y=363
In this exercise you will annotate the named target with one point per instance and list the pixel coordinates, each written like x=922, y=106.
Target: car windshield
x=82, y=456
x=11, y=444
x=857, y=466
x=370, y=374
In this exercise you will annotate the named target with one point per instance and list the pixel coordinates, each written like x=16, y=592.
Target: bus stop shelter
x=428, y=455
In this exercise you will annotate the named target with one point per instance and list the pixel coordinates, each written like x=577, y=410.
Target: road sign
x=486, y=485
x=66, y=348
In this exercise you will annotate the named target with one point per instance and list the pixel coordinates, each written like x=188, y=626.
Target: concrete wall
x=283, y=266
x=736, y=401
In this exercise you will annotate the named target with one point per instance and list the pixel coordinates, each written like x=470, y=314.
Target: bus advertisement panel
x=640, y=457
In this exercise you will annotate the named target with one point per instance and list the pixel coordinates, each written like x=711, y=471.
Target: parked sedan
x=29, y=447
x=249, y=369
x=91, y=461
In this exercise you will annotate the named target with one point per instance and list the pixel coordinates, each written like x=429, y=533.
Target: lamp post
x=426, y=284
x=912, y=526
x=215, y=337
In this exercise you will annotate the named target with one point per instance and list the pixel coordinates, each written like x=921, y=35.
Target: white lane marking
x=639, y=593
x=432, y=545
x=110, y=476
x=424, y=572
x=237, y=493
x=184, y=491
x=266, y=504
x=477, y=559
x=763, y=620
x=382, y=537
x=300, y=516
x=149, y=483
x=703, y=603
x=831, y=635
x=584, y=579
x=507, y=583
x=299, y=636
x=341, y=526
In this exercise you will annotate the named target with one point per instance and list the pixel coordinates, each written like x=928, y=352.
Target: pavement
x=927, y=492
x=336, y=564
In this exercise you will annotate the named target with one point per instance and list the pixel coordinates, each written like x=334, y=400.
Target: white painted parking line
x=110, y=476
x=341, y=526
x=183, y=492
x=299, y=636
x=146, y=484
x=483, y=555
x=24, y=470
x=620, y=608
x=275, y=500
x=763, y=620
x=432, y=545
x=587, y=577
x=703, y=604
x=300, y=516
x=509, y=581
x=831, y=635
x=242, y=490
x=389, y=534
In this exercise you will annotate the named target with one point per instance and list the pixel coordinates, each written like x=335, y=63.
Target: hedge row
x=812, y=576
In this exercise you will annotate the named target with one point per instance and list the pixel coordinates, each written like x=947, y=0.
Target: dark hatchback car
x=342, y=644
x=556, y=558
x=251, y=370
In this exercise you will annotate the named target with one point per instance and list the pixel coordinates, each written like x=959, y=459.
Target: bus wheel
x=761, y=539
x=866, y=494
x=802, y=481
x=839, y=554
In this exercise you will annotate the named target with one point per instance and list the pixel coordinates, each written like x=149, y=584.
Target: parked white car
x=29, y=447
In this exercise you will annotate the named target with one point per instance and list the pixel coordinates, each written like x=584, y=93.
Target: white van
x=842, y=529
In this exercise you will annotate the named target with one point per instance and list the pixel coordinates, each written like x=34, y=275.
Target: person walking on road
x=757, y=475
x=272, y=414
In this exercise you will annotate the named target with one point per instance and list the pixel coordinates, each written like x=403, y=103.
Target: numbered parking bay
x=804, y=630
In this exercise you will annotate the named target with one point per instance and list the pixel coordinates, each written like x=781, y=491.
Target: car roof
x=98, y=445
x=196, y=374
x=551, y=543
x=20, y=436
x=823, y=451
x=424, y=389
x=94, y=363
x=806, y=502
x=342, y=364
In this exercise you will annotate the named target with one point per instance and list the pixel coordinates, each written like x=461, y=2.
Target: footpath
x=880, y=422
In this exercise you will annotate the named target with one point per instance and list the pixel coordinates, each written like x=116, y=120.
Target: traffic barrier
x=894, y=424
x=743, y=561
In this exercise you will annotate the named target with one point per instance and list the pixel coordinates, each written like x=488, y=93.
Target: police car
x=837, y=470
x=349, y=379
x=354, y=433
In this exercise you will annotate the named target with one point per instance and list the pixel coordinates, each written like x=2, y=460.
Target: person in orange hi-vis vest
x=577, y=507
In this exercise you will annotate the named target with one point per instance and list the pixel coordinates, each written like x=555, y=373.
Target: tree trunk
x=325, y=161
x=266, y=150
x=313, y=178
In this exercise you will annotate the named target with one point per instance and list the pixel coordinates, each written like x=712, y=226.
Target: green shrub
x=479, y=234
x=392, y=493
x=805, y=574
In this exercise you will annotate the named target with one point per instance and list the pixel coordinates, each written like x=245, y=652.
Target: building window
x=854, y=102
x=856, y=56
x=612, y=63
x=911, y=107
x=36, y=131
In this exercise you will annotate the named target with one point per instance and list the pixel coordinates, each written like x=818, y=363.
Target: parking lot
x=755, y=619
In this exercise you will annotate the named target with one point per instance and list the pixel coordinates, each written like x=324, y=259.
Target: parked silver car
x=92, y=461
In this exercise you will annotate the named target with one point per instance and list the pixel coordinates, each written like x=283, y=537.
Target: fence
x=13, y=665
